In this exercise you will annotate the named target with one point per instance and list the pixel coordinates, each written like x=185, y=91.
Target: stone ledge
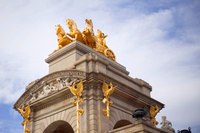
x=138, y=127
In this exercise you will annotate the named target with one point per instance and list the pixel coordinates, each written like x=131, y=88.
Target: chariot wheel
x=109, y=53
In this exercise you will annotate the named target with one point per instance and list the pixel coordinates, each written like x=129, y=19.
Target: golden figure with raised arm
x=108, y=89
x=101, y=38
x=88, y=34
x=77, y=89
x=25, y=112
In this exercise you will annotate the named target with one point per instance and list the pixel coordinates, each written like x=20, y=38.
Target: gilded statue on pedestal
x=87, y=37
x=76, y=89
x=108, y=89
x=25, y=112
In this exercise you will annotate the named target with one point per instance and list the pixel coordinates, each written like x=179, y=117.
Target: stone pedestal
x=139, y=127
x=51, y=101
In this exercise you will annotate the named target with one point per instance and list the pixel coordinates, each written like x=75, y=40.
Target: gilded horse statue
x=87, y=37
x=62, y=38
x=74, y=31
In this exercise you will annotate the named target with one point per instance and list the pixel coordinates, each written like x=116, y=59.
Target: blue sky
x=157, y=41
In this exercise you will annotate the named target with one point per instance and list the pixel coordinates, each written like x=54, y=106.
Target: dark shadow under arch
x=59, y=127
x=121, y=123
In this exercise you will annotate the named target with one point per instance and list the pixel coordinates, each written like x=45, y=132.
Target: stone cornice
x=126, y=93
x=112, y=67
x=92, y=55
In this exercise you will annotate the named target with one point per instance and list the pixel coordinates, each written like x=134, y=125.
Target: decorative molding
x=52, y=87
x=48, y=85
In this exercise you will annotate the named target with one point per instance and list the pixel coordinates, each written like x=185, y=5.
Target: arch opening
x=121, y=123
x=59, y=127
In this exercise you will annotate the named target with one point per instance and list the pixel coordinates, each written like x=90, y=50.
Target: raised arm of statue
x=101, y=38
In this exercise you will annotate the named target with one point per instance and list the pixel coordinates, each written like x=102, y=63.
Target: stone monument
x=86, y=90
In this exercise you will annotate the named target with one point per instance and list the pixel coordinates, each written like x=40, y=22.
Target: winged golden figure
x=25, y=112
x=153, y=112
x=108, y=89
x=76, y=88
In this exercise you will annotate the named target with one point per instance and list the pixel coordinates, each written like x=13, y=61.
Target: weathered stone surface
x=140, y=127
x=77, y=61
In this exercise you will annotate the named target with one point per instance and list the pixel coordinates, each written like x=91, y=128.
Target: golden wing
x=79, y=88
x=151, y=111
x=21, y=111
x=27, y=111
x=154, y=110
x=157, y=109
x=105, y=88
x=72, y=89
x=111, y=90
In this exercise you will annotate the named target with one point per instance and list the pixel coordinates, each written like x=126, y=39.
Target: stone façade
x=74, y=62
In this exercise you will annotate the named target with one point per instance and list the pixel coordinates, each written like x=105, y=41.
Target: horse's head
x=59, y=29
x=71, y=24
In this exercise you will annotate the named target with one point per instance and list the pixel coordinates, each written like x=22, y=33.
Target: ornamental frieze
x=52, y=87
x=50, y=84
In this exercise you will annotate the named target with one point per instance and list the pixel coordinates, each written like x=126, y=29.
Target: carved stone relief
x=52, y=87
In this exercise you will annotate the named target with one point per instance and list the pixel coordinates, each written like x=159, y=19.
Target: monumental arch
x=51, y=101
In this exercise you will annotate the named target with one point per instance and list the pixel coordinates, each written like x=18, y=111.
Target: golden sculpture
x=153, y=112
x=107, y=91
x=74, y=31
x=88, y=34
x=102, y=47
x=62, y=38
x=101, y=38
x=87, y=37
x=25, y=112
x=76, y=89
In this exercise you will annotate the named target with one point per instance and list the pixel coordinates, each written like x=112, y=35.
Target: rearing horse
x=74, y=31
x=62, y=38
